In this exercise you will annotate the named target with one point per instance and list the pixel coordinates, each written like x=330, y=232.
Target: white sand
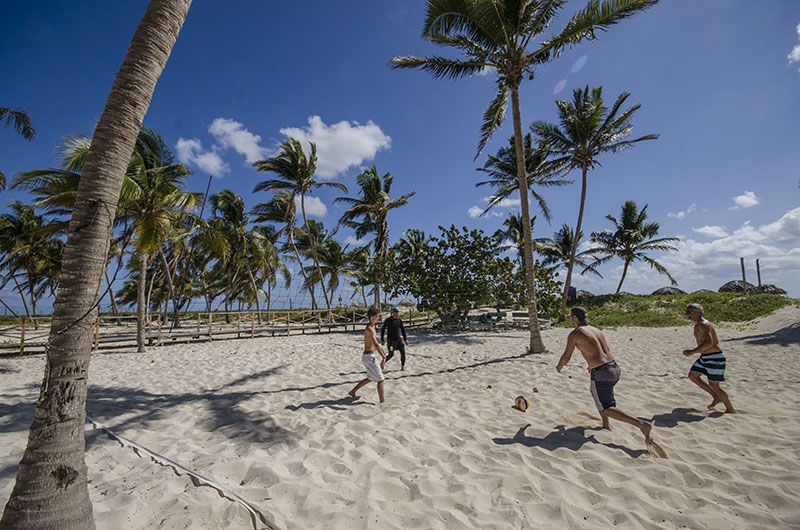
x=268, y=418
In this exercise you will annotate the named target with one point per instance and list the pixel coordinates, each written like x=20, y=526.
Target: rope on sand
x=197, y=480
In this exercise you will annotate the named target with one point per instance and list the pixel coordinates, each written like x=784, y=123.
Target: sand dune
x=269, y=419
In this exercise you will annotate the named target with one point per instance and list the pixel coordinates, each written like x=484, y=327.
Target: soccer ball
x=521, y=403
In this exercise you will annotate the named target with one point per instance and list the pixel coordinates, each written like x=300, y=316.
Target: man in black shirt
x=396, y=341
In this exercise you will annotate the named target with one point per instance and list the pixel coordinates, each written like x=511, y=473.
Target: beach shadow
x=573, y=438
x=786, y=336
x=336, y=404
x=680, y=415
x=17, y=417
x=8, y=472
x=8, y=371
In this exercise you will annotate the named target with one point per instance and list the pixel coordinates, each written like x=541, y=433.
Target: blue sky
x=718, y=80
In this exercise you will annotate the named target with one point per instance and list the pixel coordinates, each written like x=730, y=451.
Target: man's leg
x=380, y=391
x=390, y=353
x=695, y=377
x=621, y=415
x=359, y=386
x=402, y=348
x=720, y=396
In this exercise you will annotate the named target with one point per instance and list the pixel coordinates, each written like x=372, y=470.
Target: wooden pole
x=758, y=271
x=253, y=326
x=158, y=339
x=239, y=325
x=210, y=327
x=96, y=332
x=288, y=321
x=319, y=322
x=22, y=338
x=198, y=325
x=744, y=280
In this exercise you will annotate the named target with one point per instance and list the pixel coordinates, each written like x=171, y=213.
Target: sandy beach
x=270, y=419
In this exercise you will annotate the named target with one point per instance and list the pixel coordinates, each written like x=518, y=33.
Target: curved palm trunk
x=302, y=269
x=536, y=343
x=314, y=255
x=624, y=272
x=572, y=253
x=141, y=303
x=50, y=491
x=114, y=308
x=22, y=296
x=176, y=320
x=255, y=290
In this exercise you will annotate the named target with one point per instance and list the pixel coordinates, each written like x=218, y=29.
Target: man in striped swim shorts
x=711, y=362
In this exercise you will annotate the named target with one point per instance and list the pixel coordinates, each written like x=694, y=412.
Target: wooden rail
x=112, y=332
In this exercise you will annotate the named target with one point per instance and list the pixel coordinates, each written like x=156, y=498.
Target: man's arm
x=403, y=329
x=567, y=355
x=706, y=342
x=375, y=342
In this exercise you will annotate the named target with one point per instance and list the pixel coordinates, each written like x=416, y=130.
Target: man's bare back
x=592, y=344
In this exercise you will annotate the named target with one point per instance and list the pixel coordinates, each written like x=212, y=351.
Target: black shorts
x=603, y=379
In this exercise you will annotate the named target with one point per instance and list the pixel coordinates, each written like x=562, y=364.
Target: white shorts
x=373, y=367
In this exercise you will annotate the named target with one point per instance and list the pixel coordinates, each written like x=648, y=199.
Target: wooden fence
x=30, y=335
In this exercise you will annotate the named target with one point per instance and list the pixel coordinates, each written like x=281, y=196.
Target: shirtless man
x=374, y=370
x=711, y=362
x=603, y=369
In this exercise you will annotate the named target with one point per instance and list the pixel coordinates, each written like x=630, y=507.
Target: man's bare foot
x=607, y=426
x=646, y=428
x=352, y=394
x=714, y=403
x=402, y=368
x=730, y=410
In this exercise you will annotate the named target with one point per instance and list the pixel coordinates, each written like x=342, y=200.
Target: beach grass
x=611, y=311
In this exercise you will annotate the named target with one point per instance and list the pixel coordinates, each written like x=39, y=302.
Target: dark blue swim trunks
x=603, y=379
x=711, y=365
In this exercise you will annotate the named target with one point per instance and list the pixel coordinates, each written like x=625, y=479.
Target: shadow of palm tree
x=16, y=417
x=786, y=336
x=573, y=438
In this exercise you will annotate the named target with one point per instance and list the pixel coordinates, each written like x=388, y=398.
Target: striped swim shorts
x=711, y=365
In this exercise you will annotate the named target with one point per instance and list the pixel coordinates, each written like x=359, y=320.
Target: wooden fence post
x=158, y=338
x=97, y=332
x=198, y=325
x=253, y=326
x=210, y=327
x=288, y=322
x=744, y=280
x=758, y=271
x=22, y=338
x=239, y=325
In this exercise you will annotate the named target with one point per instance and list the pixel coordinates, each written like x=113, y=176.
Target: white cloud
x=745, y=200
x=785, y=230
x=683, y=213
x=190, y=153
x=794, y=55
x=314, y=206
x=354, y=242
x=712, y=231
x=232, y=134
x=340, y=146
x=475, y=211
x=486, y=70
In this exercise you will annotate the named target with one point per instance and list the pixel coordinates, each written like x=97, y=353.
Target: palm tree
x=31, y=253
x=50, y=491
x=557, y=251
x=502, y=171
x=372, y=208
x=587, y=130
x=411, y=244
x=153, y=200
x=296, y=175
x=631, y=238
x=22, y=126
x=513, y=234
x=270, y=261
x=497, y=34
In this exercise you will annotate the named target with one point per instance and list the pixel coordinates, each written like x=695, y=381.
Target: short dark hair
x=580, y=314
x=372, y=312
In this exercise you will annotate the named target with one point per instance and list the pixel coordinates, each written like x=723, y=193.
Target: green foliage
x=461, y=270
x=667, y=310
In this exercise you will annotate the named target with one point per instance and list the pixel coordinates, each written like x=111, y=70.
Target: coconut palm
x=22, y=126
x=295, y=173
x=502, y=171
x=511, y=237
x=270, y=261
x=587, y=130
x=51, y=491
x=369, y=212
x=631, y=239
x=556, y=252
x=411, y=244
x=502, y=35
x=31, y=254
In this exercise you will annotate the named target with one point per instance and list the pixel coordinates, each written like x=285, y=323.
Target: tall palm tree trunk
x=536, y=343
x=21, y=295
x=255, y=291
x=51, y=491
x=624, y=272
x=314, y=255
x=114, y=308
x=302, y=269
x=575, y=241
x=142, y=301
x=176, y=319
